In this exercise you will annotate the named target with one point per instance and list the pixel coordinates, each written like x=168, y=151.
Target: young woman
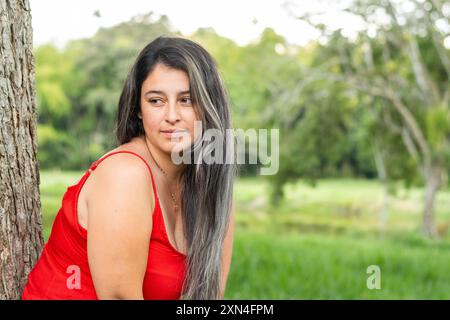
x=138, y=225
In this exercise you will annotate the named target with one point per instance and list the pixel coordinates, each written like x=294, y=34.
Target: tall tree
x=21, y=237
x=400, y=57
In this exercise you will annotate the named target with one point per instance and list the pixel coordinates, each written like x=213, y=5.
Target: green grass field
x=320, y=241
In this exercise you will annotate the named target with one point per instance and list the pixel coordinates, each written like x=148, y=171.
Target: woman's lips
x=173, y=133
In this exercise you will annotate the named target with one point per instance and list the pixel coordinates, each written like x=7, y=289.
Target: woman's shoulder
x=121, y=176
x=125, y=171
x=122, y=165
x=128, y=155
x=132, y=146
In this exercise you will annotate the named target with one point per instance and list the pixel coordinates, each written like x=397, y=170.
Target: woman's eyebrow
x=155, y=91
x=163, y=93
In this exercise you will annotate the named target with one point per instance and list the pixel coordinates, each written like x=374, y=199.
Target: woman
x=139, y=225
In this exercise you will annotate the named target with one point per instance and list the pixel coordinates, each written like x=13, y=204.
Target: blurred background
x=360, y=91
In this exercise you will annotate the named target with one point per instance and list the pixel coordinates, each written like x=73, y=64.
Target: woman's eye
x=155, y=101
x=186, y=100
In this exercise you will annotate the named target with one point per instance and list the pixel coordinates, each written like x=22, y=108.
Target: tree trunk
x=21, y=237
x=383, y=177
x=432, y=185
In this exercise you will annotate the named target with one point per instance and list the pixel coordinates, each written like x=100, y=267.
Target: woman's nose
x=172, y=113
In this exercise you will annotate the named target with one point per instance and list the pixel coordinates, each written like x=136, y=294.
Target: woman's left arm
x=227, y=252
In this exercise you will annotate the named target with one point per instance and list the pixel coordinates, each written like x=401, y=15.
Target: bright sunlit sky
x=58, y=21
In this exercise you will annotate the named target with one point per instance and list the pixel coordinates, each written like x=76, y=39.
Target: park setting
x=359, y=94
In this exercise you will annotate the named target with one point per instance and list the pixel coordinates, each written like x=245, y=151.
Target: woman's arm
x=119, y=226
x=227, y=252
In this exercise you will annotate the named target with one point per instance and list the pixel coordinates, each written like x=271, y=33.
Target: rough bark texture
x=21, y=239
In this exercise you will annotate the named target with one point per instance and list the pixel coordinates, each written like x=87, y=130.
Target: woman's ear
x=139, y=115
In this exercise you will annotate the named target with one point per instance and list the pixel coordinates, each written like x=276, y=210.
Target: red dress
x=62, y=271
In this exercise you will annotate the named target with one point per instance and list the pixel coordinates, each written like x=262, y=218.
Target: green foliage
x=53, y=84
x=54, y=147
x=438, y=126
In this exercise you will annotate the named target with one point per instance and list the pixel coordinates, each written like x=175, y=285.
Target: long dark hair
x=207, y=189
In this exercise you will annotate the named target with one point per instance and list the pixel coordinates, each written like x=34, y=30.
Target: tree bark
x=21, y=239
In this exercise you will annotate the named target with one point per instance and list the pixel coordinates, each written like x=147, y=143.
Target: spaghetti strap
x=96, y=163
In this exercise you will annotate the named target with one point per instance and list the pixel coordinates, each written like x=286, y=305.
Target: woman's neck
x=171, y=170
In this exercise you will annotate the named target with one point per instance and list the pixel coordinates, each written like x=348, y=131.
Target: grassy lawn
x=319, y=242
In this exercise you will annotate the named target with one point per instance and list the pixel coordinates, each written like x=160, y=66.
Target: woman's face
x=166, y=106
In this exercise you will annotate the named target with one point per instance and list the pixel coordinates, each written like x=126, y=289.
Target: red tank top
x=62, y=271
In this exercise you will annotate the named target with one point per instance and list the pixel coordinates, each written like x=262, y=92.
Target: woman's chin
x=175, y=147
